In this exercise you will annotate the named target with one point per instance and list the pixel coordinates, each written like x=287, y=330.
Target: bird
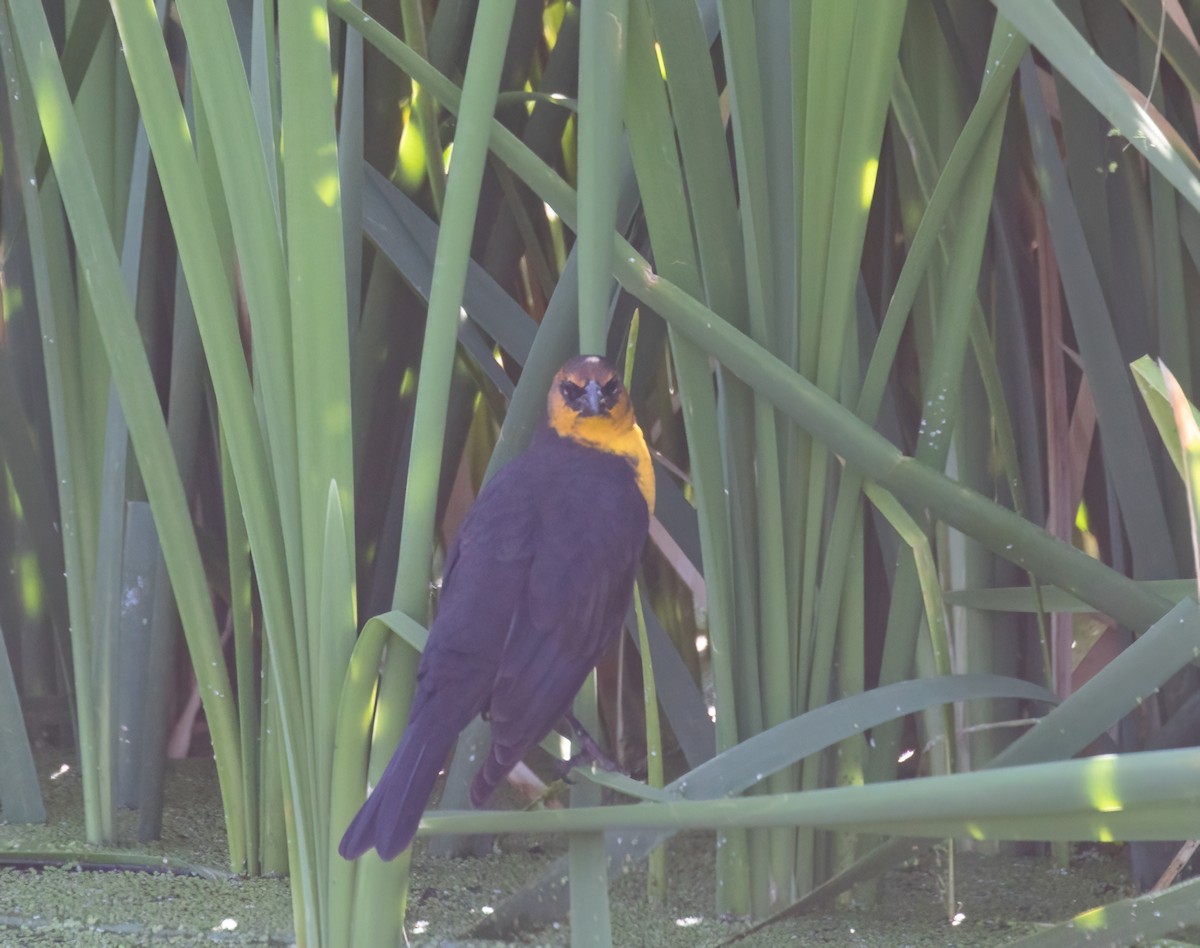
x=535, y=589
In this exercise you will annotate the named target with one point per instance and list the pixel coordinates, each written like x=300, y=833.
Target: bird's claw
x=589, y=753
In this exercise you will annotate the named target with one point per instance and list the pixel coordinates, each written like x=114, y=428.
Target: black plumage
x=535, y=590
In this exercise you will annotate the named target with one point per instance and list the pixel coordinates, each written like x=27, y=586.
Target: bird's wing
x=487, y=568
x=580, y=584
x=483, y=584
x=543, y=668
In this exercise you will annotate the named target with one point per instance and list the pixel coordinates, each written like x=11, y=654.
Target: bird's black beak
x=592, y=396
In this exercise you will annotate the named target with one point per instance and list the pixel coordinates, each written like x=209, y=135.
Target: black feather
x=536, y=588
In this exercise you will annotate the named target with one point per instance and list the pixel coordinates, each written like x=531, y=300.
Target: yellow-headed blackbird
x=536, y=588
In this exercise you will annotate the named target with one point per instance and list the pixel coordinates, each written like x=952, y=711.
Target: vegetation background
x=283, y=282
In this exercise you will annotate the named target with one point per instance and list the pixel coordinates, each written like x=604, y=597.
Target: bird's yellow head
x=588, y=403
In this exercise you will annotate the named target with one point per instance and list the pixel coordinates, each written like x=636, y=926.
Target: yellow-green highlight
x=1101, y=784
x=870, y=170
x=32, y=600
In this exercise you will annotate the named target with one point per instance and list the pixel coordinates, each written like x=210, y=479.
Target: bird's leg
x=589, y=751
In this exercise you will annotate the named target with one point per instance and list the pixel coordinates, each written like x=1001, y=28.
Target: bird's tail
x=388, y=820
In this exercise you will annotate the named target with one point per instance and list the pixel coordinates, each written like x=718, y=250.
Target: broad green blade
x=1169, y=645
x=184, y=406
x=335, y=640
x=747, y=763
x=1130, y=921
x=1053, y=599
x=318, y=321
x=106, y=611
x=1130, y=469
x=131, y=374
x=1048, y=29
x=1143, y=796
x=241, y=608
x=493, y=22
x=601, y=75
x=20, y=795
x=348, y=788
x=408, y=239
x=57, y=320
x=1153, y=387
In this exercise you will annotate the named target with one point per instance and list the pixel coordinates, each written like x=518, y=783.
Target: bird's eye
x=571, y=392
